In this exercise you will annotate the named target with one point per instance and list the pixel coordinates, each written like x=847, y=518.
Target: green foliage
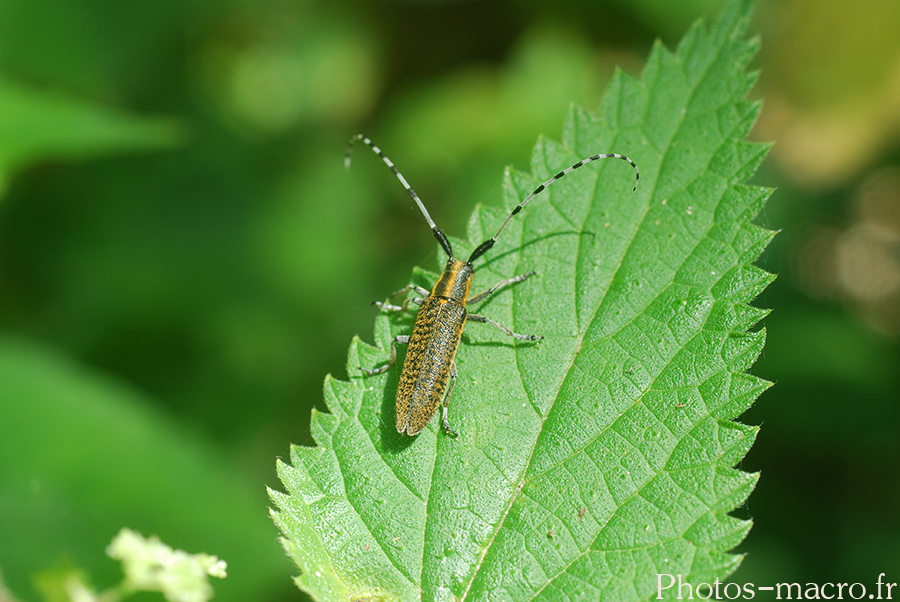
x=148, y=565
x=83, y=455
x=37, y=124
x=590, y=462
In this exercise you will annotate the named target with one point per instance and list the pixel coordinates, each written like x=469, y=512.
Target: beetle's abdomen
x=426, y=370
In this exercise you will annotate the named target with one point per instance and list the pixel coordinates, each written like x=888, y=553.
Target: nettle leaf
x=602, y=456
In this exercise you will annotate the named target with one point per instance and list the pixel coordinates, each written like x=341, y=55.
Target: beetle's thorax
x=455, y=281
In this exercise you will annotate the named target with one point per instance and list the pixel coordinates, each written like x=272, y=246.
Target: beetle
x=430, y=366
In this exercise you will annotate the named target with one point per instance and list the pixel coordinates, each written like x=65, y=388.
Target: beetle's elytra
x=429, y=371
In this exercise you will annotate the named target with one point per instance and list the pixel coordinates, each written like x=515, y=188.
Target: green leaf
x=601, y=456
x=82, y=455
x=36, y=125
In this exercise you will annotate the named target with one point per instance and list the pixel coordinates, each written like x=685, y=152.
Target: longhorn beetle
x=430, y=364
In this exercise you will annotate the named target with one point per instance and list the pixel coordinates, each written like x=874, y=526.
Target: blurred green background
x=183, y=257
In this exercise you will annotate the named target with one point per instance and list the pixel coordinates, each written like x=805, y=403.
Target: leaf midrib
x=576, y=352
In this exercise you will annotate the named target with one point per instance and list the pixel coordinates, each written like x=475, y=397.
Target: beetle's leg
x=444, y=417
x=516, y=335
x=404, y=307
x=480, y=296
x=409, y=287
x=400, y=339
